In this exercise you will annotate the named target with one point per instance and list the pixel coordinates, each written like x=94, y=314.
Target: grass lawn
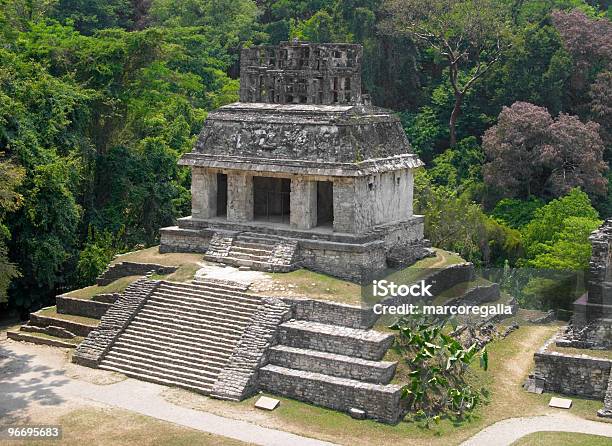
x=184, y=273
x=52, y=312
x=152, y=255
x=117, y=286
x=562, y=438
x=601, y=354
x=321, y=286
x=118, y=427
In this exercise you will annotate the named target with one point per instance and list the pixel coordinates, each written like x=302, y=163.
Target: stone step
x=180, y=368
x=158, y=378
x=240, y=255
x=219, y=342
x=198, y=355
x=251, y=250
x=35, y=338
x=171, y=305
x=221, y=352
x=342, y=366
x=380, y=402
x=217, y=284
x=230, y=260
x=365, y=344
x=256, y=239
x=200, y=298
x=177, y=330
x=215, y=318
x=204, y=291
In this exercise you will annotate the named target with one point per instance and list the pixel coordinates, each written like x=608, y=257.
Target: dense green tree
x=11, y=177
x=470, y=35
x=549, y=225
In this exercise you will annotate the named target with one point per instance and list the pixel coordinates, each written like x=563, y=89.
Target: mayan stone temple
x=302, y=171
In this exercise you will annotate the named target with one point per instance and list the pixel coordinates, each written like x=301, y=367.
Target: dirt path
x=508, y=431
x=36, y=381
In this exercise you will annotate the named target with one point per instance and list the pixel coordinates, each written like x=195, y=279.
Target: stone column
x=203, y=193
x=239, y=197
x=344, y=206
x=303, y=213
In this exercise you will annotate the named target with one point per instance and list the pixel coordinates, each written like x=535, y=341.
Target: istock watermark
x=385, y=288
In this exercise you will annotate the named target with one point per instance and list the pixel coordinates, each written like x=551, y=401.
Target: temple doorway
x=271, y=199
x=325, y=203
x=221, y=195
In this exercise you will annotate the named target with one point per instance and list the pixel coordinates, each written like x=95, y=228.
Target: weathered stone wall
x=342, y=260
x=303, y=203
x=572, y=374
x=380, y=402
x=81, y=307
x=91, y=351
x=73, y=327
x=378, y=372
x=238, y=379
x=175, y=239
x=239, y=197
x=332, y=313
x=370, y=345
x=301, y=73
x=203, y=193
x=124, y=269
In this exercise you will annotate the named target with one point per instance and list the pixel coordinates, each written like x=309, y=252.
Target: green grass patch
x=600, y=354
x=118, y=286
x=318, y=286
x=152, y=255
x=562, y=438
x=52, y=312
x=111, y=426
x=184, y=273
x=308, y=283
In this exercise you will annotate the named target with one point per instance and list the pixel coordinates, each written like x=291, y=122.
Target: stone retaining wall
x=175, y=239
x=124, y=269
x=380, y=402
x=81, y=307
x=239, y=378
x=91, y=351
x=579, y=375
x=73, y=327
x=332, y=313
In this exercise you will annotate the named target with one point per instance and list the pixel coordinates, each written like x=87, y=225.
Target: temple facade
x=302, y=171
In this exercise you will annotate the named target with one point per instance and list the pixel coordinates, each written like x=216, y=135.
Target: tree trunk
x=452, y=123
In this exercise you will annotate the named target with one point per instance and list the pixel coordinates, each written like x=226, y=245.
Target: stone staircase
x=261, y=252
x=183, y=335
x=334, y=366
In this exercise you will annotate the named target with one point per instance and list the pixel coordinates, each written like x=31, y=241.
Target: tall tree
x=531, y=153
x=469, y=35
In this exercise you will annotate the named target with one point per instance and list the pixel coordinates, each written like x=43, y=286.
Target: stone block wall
x=175, y=239
x=379, y=402
x=573, y=374
x=124, y=269
x=81, y=307
x=332, y=313
x=342, y=260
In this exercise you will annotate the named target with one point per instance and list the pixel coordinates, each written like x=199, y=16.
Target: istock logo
x=384, y=288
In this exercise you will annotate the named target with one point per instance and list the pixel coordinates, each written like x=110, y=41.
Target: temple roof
x=324, y=132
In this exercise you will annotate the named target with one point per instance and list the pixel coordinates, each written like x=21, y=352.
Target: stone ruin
x=591, y=325
x=590, y=329
x=302, y=172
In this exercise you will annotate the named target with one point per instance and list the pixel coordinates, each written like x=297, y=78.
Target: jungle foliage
x=99, y=98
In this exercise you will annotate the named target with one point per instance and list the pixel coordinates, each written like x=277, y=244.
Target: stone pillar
x=344, y=206
x=239, y=197
x=203, y=193
x=303, y=214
